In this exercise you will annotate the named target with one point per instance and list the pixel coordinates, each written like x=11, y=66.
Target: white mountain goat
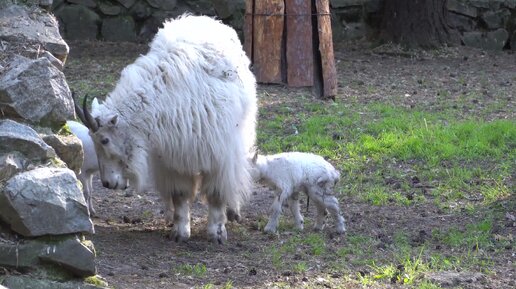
x=184, y=111
x=90, y=164
x=293, y=172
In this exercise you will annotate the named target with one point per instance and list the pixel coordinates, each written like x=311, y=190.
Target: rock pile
x=43, y=214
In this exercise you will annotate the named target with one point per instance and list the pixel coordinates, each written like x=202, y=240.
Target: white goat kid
x=185, y=111
x=90, y=164
x=293, y=172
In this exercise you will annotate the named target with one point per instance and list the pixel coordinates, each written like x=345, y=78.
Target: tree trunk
x=417, y=23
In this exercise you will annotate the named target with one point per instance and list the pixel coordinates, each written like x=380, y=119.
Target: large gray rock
x=126, y=3
x=18, y=137
x=109, y=9
x=163, y=4
x=87, y=3
x=121, y=28
x=495, y=19
x=10, y=164
x=25, y=282
x=79, y=22
x=44, y=201
x=141, y=11
x=36, y=91
x=493, y=40
x=513, y=41
x=460, y=22
x=462, y=8
x=68, y=148
x=21, y=25
x=73, y=255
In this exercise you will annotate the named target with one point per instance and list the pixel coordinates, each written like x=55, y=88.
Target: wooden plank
x=248, y=28
x=328, y=69
x=299, y=48
x=267, y=40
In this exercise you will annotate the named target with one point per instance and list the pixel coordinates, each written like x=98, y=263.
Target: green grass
x=196, y=270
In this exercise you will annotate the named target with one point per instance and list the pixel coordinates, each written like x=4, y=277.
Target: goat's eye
x=104, y=141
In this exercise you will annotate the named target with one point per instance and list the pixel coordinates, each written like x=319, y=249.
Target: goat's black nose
x=106, y=184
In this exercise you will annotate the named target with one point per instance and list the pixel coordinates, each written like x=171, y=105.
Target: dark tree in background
x=417, y=23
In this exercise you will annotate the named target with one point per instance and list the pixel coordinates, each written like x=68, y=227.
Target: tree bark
x=417, y=23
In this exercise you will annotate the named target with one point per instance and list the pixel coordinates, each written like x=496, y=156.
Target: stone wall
x=487, y=24
x=134, y=20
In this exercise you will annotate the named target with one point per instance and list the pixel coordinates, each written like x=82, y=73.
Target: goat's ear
x=113, y=121
x=95, y=104
x=255, y=157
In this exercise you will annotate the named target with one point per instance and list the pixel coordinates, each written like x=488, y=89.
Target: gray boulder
x=493, y=40
x=68, y=148
x=11, y=164
x=21, y=25
x=462, y=8
x=36, y=91
x=73, y=255
x=126, y=3
x=44, y=201
x=87, y=3
x=163, y=4
x=513, y=41
x=25, y=282
x=109, y=9
x=80, y=22
x=18, y=137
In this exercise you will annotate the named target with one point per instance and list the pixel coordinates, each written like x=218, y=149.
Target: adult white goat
x=293, y=172
x=90, y=164
x=185, y=109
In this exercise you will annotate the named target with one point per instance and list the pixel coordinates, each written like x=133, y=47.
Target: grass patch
x=196, y=270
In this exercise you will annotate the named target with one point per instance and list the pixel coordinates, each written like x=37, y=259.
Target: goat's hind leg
x=327, y=202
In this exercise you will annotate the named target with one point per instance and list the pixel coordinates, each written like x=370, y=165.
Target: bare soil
x=131, y=239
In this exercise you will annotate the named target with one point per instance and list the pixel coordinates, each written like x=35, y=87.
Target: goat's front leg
x=216, y=220
x=181, y=220
x=281, y=196
x=293, y=203
x=87, y=183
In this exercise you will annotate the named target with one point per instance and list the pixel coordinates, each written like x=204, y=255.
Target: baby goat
x=292, y=172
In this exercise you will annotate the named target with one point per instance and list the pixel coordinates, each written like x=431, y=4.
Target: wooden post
x=328, y=69
x=300, y=61
x=291, y=41
x=268, y=40
x=248, y=28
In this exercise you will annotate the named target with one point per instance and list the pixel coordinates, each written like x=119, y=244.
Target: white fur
x=293, y=172
x=187, y=107
x=90, y=164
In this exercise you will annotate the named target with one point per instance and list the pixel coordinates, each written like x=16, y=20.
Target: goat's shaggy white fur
x=186, y=108
x=90, y=164
x=293, y=172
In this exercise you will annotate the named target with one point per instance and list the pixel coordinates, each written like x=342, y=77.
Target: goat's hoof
x=341, y=229
x=233, y=215
x=178, y=235
x=269, y=229
x=220, y=235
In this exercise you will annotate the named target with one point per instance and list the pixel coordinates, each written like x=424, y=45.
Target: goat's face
x=111, y=147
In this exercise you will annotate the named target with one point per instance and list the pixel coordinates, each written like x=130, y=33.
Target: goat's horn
x=78, y=109
x=91, y=123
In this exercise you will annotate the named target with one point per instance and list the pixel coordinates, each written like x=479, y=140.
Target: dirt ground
x=133, y=248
